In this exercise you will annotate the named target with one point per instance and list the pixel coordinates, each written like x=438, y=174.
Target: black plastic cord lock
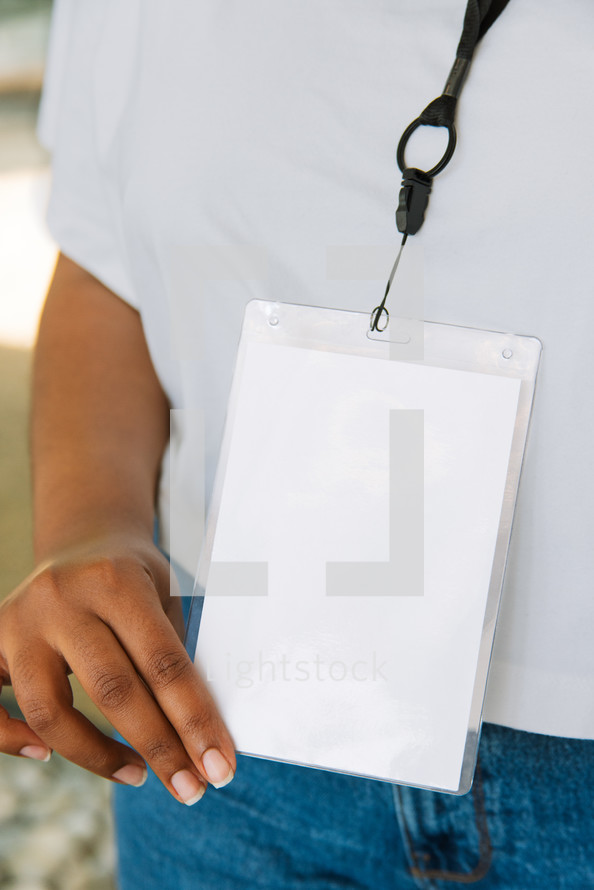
x=413, y=200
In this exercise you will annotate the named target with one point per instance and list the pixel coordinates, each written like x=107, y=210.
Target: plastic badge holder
x=310, y=657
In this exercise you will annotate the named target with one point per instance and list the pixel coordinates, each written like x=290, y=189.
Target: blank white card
x=374, y=685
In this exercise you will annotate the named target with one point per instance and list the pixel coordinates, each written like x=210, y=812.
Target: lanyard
x=416, y=184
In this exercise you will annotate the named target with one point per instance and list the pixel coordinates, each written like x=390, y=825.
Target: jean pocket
x=446, y=837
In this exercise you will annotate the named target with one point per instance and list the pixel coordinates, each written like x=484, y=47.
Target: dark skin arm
x=98, y=603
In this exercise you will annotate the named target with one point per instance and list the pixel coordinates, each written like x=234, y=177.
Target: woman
x=186, y=133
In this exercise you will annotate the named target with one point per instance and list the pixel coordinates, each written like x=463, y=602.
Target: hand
x=104, y=612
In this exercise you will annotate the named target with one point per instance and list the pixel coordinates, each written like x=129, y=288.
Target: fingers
x=17, y=738
x=110, y=679
x=161, y=660
x=108, y=623
x=45, y=698
x=159, y=657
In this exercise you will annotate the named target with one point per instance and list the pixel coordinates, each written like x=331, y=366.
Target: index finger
x=134, y=615
x=160, y=658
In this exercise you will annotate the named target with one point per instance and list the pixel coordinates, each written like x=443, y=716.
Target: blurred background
x=55, y=824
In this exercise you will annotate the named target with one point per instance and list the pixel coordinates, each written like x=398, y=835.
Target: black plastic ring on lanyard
x=447, y=157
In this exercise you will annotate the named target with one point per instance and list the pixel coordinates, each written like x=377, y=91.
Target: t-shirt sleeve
x=84, y=215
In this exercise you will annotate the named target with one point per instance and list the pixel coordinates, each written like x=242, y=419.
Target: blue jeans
x=528, y=823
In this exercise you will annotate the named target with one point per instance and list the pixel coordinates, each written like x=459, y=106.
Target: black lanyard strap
x=441, y=112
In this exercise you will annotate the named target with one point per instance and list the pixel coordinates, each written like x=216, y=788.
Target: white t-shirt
x=207, y=154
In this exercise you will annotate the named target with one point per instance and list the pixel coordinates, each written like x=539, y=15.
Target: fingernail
x=216, y=768
x=188, y=786
x=131, y=774
x=36, y=752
